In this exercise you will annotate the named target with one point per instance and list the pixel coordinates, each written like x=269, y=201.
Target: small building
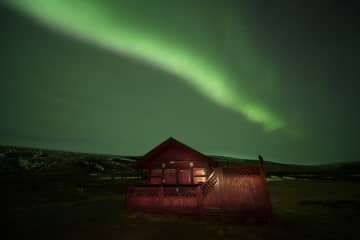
x=183, y=180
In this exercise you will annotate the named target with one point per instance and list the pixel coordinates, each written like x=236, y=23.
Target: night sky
x=234, y=78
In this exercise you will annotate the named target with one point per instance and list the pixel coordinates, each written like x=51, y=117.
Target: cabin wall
x=240, y=191
x=182, y=175
x=212, y=200
x=239, y=194
x=178, y=158
x=171, y=167
x=244, y=194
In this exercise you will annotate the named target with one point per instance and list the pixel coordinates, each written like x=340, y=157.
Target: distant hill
x=273, y=168
x=25, y=161
x=22, y=161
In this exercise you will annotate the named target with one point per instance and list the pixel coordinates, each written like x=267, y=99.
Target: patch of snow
x=273, y=178
x=289, y=178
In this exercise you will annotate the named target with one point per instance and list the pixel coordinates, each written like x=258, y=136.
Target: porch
x=165, y=198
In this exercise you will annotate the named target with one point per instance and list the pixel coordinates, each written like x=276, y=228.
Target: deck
x=165, y=198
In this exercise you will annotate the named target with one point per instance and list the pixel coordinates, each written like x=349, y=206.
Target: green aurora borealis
x=227, y=77
x=97, y=22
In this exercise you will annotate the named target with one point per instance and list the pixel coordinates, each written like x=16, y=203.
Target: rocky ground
x=63, y=195
x=28, y=161
x=78, y=208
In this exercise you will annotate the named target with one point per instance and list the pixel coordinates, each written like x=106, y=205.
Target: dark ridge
x=26, y=160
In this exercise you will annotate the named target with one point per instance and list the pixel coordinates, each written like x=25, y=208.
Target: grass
x=83, y=208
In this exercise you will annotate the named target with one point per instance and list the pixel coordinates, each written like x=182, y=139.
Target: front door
x=185, y=176
x=169, y=176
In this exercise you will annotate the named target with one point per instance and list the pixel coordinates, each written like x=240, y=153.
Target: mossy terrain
x=80, y=209
x=60, y=195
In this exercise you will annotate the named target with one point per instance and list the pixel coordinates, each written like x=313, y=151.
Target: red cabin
x=183, y=180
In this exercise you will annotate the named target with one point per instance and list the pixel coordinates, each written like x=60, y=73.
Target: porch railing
x=152, y=190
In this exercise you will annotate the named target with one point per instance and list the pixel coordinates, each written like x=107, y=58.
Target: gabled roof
x=169, y=143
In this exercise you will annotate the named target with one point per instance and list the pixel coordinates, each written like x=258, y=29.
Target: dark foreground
x=84, y=208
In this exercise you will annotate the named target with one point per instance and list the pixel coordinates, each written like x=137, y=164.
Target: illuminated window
x=199, y=171
x=199, y=180
x=199, y=175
